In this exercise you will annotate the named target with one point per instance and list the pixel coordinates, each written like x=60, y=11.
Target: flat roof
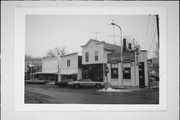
x=74, y=53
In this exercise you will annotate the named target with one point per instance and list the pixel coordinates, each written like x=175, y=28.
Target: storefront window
x=114, y=70
x=127, y=71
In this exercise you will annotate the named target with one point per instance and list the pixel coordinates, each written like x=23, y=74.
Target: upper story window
x=87, y=56
x=96, y=55
x=114, y=70
x=68, y=63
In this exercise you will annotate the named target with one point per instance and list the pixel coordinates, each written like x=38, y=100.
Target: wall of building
x=72, y=68
x=91, y=48
x=143, y=58
x=50, y=65
x=134, y=80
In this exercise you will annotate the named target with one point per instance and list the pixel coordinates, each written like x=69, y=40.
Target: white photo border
x=20, y=15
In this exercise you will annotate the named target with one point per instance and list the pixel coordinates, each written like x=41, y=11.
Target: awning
x=46, y=73
x=69, y=72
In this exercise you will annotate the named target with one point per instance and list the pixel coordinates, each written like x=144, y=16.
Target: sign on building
x=128, y=56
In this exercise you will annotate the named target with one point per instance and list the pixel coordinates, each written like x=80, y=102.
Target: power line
x=147, y=30
x=153, y=36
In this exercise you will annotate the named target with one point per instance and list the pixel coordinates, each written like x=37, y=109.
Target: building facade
x=134, y=70
x=71, y=66
x=94, y=57
x=65, y=67
x=50, y=69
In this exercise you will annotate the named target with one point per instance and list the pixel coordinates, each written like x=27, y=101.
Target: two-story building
x=94, y=57
x=71, y=66
x=65, y=67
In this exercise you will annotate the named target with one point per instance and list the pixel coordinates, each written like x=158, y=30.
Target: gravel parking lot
x=53, y=94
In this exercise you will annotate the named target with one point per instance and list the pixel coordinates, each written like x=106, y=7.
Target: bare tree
x=56, y=51
x=28, y=57
x=156, y=51
x=156, y=59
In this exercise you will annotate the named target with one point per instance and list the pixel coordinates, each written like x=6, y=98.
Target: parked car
x=64, y=83
x=36, y=81
x=86, y=83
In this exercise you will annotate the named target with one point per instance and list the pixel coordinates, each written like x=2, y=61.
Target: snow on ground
x=114, y=90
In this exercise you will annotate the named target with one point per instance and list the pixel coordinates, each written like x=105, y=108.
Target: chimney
x=124, y=44
x=129, y=46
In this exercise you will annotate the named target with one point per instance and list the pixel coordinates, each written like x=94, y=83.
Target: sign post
x=106, y=71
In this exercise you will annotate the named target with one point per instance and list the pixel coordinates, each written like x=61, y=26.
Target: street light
x=121, y=52
x=31, y=69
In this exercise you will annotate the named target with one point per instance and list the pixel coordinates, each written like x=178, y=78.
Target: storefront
x=93, y=71
x=45, y=76
x=134, y=73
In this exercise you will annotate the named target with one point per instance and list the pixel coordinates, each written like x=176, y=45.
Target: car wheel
x=98, y=86
x=76, y=85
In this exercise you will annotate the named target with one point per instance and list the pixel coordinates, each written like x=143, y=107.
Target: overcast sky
x=45, y=32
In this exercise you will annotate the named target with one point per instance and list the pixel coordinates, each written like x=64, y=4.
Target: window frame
x=96, y=55
x=114, y=67
x=68, y=63
x=87, y=56
x=127, y=75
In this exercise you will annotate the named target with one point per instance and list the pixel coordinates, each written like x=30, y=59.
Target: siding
x=50, y=65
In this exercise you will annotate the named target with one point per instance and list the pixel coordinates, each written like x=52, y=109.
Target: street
x=47, y=94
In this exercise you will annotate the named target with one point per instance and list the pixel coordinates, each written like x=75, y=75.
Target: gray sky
x=45, y=32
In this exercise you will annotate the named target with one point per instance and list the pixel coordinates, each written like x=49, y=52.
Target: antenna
x=96, y=34
x=114, y=36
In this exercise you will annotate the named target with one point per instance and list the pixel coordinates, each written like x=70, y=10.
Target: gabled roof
x=70, y=54
x=91, y=40
x=107, y=46
x=112, y=47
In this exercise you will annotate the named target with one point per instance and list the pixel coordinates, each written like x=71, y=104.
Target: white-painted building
x=71, y=66
x=65, y=67
x=135, y=73
x=50, y=65
x=94, y=57
x=50, y=69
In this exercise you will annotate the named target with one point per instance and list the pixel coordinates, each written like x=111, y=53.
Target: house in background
x=94, y=57
x=71, y=66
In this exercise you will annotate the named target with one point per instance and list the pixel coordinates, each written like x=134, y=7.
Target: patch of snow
x=113, y=90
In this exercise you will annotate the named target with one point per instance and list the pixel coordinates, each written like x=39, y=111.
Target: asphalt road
x=54, y=94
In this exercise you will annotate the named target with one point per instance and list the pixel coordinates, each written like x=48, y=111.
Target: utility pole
x=122, y=67
x=157, y=23
x=59, y=71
